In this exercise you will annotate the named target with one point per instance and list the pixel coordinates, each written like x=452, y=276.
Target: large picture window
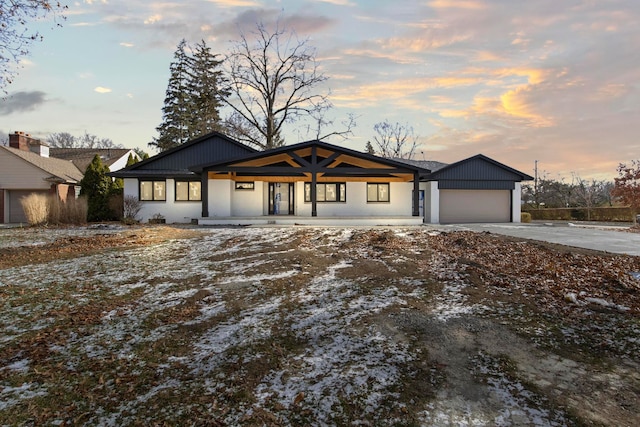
x=327, y=192
x=188, y=191
x=153, y=190
x=378, y=192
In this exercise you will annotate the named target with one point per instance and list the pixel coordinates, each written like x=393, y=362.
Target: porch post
x=416, y=194
x=314, y=164
x=204, y=193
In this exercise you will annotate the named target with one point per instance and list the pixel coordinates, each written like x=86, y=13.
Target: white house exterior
x=215, y=180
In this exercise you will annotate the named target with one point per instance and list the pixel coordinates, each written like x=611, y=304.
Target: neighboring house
x=216, y=180
x=25, y=168
x=114, y=158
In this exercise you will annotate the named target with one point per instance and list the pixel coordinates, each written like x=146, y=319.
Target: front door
x=280, y=198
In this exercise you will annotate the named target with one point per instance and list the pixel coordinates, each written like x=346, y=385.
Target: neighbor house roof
x=60, y=170
x=82, y=157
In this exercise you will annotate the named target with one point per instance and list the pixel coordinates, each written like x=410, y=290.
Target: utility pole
x=535, y=183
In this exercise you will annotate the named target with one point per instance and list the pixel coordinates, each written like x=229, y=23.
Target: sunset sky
x=518, y=81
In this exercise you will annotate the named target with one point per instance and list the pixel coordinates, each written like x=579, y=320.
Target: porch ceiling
x=299, y=164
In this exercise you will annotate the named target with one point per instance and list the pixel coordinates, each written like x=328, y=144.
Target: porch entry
x=281, y=198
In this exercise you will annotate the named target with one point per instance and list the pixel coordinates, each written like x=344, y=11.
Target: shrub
x=131, y=207
x=525, y=217
x=76, y=211
x=116, y=204
x=36, y=208
x=71, y=211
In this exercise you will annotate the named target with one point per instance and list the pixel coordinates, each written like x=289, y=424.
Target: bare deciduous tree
x=66, y=140
x=273, y=78
x=394, y=140
x=15, y=35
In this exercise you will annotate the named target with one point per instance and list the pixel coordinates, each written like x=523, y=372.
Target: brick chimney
x=24, y=141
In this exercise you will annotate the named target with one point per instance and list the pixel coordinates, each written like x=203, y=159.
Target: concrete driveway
x=601, y=238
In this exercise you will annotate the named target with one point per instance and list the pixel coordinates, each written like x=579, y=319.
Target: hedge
x=608, y=214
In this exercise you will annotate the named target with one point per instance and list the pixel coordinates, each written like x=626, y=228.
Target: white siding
x=173, y=212
x=516, y=202
x=248, y=202
x=432, y=202
x=220, y=197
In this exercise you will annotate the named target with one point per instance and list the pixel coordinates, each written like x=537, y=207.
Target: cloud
x=101, y=89
x=235, y=3
x=153, y=19
x=20, y=102
x=126, y=44
x=457, y=4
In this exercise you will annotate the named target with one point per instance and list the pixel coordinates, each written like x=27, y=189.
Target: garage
x=16, y=213
x=474, y=190
x=468, y=206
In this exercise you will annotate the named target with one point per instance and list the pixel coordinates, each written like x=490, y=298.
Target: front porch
x=346, y=221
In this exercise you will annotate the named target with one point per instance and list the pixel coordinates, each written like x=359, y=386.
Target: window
x=153, y=190
x=245, y=185
x=188, y=191
x=378, y=192
x=327, y=192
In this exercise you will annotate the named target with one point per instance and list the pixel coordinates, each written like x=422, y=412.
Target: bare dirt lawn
x=313, y=326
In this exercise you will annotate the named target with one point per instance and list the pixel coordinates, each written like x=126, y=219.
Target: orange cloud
x=457, y=4
x=514, y=104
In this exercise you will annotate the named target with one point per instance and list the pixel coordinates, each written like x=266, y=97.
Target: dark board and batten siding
x=454, y=184
x=477, y=173
x=211, y=148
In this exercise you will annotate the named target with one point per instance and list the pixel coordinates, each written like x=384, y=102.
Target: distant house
x=216, y=180
x=29, y=165
x=114, y=158
x=26, y=168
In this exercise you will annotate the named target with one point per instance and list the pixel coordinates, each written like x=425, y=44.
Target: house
x=29, y=165
x=114, y=158
x=216, y=180
x=25, y=168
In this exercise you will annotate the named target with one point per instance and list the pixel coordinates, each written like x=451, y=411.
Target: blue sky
x=554, y=81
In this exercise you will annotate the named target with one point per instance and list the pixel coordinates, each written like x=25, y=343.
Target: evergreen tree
x=97, y=187
x=369, y=148
x=131, y=160
x=173, y=130
x=205, y=90
x=193, y=97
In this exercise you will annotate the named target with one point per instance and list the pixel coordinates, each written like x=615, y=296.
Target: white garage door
x=16, y=214
x=460, y=206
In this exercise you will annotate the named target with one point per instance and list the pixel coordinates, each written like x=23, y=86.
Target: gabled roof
x=176, y=162
x=431, y=165
x=297, y=157
x=479, y=167
x=82, y=157
x=60, y=170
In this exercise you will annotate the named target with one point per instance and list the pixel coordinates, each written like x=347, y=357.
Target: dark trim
x=388, y=184
x=175, y=190
x=339, y=194
x=251, y=188
x=204, y=192
x=153, y=192
x=314, y=182
x=416, y=194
